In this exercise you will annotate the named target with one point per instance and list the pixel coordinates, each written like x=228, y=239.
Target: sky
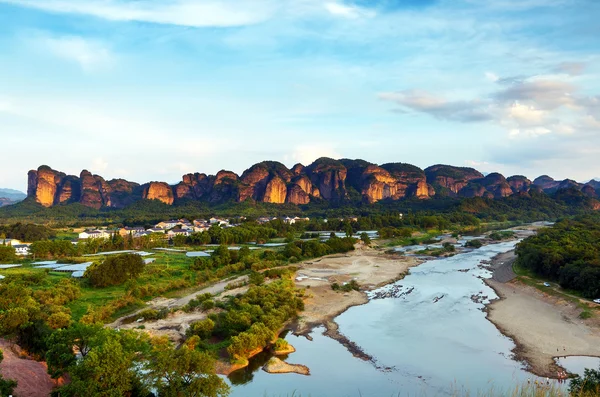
x=153, y=89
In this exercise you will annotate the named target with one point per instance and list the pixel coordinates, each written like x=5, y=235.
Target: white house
x=219, y=221
x=156, y=230
x=21, y=249
x=124, y=231
x=167, y=224
x=10, y=241
x=93, y=234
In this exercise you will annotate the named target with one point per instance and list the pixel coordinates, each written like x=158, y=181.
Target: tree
x=256, y=278
x=106, y=371
x=348, y=229
x=365, y=238
x=115, y=270
x=183, y=372
x=589, y=383
x=7, y=253
x=63, y=342
x=110, y=367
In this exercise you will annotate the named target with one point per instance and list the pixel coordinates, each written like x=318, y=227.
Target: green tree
x=7, y=253
x=589, y=383
x=365, y=238
x=115, y=270
x=184, y=372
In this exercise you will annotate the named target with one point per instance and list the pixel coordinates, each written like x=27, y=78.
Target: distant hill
x=10, y=196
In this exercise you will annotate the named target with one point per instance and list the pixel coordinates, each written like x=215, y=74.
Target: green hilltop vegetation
x=534, y=206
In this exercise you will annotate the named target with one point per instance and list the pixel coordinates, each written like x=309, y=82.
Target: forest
x=567, y=253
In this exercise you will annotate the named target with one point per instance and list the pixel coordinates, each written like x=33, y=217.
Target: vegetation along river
x=428, y=334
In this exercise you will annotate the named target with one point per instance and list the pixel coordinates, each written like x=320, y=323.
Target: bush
x=474, y=244
x=281, y=345
x=115, y=270
x=585, y=314
x=449, y=247
x=350, y=286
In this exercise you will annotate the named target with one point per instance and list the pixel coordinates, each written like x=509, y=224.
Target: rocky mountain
x=10, y=196
x=272, y=182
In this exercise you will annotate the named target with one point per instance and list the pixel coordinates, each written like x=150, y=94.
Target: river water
x=433, y=341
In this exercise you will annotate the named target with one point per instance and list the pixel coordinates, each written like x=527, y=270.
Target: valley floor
x=371, y=268
x=543, y=326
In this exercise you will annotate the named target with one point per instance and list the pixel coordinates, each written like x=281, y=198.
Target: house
x=142, y=233
x=167, y=224
x=10, y=241
x=156, y=230
x=178, y=232
x=125, y=231
x=265, y=219
x=21, y=249
x=218, y=221
x=93, y=234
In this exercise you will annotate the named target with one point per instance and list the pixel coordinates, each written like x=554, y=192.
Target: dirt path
x=542, y=326
x=161, y=303
x=32, y=377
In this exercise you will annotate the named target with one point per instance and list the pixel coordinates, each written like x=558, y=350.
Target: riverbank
x=370, y=268
x=542, y=326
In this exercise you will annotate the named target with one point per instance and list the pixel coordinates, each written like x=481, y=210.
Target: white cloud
x=528, y=132
x=526, y=115
x=176, y=12
x=99, y=164
x=306, y=154
x=492, y=76
x=90, y=55
x=347, y=11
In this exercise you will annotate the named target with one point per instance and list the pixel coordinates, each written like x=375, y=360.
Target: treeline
x=568, y=253
x=27, y=232
x=522, y=207
x=64, y=248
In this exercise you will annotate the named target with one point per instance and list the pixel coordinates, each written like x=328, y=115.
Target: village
x=165, y=229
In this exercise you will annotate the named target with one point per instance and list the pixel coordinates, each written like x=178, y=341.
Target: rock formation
x=272, y=182
x=160, y=191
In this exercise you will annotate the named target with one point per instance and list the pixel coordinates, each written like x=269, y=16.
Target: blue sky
x=152, y=89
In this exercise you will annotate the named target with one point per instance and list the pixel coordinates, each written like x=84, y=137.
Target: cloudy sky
x=153, y=89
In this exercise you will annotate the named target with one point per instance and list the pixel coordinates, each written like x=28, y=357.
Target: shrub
x=474, y=244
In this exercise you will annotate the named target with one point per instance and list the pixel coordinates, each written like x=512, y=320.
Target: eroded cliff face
x=272, y=182
x=329, y=177
x=519, y=183
x=158, y=191
x=449, y=179
x=44, y=184
x=94, y=190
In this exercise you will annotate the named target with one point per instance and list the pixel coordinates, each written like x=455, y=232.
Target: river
x=433, y=341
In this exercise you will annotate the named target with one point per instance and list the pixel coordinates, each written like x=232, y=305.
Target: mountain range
x=10, y=196
x=272, y=182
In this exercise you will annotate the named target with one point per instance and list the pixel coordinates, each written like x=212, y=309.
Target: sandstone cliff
x=449, y=180
x=272, y=182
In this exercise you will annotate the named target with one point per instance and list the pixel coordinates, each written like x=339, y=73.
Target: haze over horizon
x=150, y=90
